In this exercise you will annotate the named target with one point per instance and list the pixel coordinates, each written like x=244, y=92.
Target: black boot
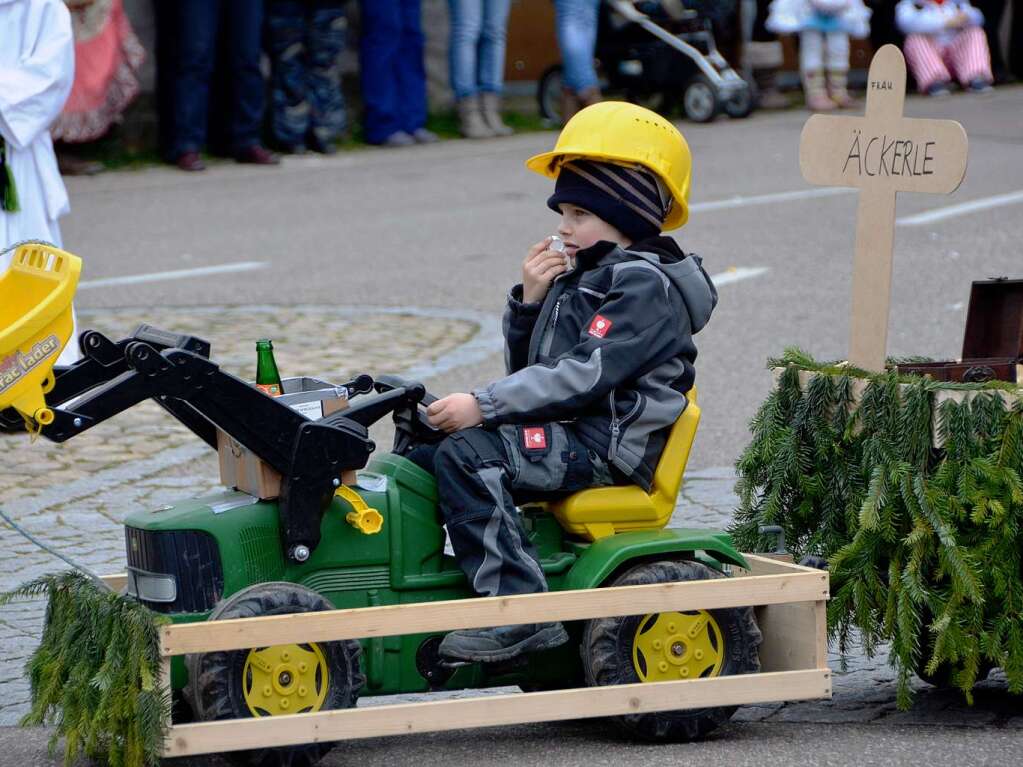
x=501, y=643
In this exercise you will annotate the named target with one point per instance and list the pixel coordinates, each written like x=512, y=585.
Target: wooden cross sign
x=880, y=153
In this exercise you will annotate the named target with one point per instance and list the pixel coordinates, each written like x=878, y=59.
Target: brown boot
x=569, y=104
x=816, y=93
x=470, y=119
x=837, y=79
x=589, y=97
x=490, y=104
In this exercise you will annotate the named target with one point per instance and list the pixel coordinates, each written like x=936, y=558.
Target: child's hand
x=539, y=270
x=454, y=412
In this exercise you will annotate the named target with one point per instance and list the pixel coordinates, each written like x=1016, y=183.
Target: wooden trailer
x=790, y=603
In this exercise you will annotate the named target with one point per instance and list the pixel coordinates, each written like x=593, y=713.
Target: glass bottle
x=268, y=378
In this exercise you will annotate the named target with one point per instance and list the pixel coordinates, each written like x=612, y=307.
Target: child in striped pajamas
x=945, y=39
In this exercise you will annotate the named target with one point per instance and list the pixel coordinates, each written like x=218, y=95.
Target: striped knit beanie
x=632, y=199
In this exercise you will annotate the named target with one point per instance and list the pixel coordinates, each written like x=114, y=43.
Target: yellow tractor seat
x=602, y=511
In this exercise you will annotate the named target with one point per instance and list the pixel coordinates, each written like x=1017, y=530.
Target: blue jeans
x=305, y=40
x=476, y=50
x=196, y=27
x=393, y=74
x=576, y=21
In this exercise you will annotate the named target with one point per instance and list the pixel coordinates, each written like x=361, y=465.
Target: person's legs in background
x=463, y=65
x=378, y=50
x=285, y=43
x=411, y=74
x=838, y=68
x=968, y=57
x=993, y=11
x=576, y=22
x=925, y=62
x=244, y=46
x=491, y=63
x=811, y=67
x=195, y=32
x=326, y=30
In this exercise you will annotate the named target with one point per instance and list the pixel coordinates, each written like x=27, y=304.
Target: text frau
x=889, y=156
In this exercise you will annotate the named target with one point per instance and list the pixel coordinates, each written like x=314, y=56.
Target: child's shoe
x=938, y=90
x=837, y=82
x=502, y=643
x=979, y=85
x=817, y=98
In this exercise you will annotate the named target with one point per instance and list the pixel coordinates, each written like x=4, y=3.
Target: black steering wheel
x=411, y=426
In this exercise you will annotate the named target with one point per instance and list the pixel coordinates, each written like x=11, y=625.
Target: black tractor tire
x=216, y=679
x=700, y=100
x=548, y=95
x=607, y=654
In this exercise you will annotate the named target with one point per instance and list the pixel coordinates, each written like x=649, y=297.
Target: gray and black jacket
x=610, y=349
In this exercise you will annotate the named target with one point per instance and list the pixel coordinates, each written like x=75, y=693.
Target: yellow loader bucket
x=35, y=324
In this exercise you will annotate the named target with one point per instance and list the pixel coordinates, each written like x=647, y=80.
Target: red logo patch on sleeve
x=599, y=327
x=534, y=437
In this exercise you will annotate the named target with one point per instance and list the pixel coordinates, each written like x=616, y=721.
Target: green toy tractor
x=322, y=544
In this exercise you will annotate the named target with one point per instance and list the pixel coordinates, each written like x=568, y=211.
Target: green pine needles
x=924, y=544
x=95, y=674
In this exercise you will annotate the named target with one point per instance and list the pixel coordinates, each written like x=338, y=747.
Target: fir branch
x=910, y=531
x=93, y=675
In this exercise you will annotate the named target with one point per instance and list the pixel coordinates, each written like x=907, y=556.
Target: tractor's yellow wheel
x=285, y=679
x=672, y=646
x=275, y=680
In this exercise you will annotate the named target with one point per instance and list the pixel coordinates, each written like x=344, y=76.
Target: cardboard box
x=242, y=469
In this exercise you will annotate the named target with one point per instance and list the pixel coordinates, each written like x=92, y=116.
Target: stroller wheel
x=548, y=95
x=700, y=100
x=740, y=103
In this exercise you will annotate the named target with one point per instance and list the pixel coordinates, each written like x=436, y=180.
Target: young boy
x=599, y=356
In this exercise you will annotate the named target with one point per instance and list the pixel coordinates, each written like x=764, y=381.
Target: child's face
x=580, y=229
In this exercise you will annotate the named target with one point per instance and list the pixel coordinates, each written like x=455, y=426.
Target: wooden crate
x=790, y=603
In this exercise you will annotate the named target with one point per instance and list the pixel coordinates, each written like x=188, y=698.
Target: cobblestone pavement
x=75, y=495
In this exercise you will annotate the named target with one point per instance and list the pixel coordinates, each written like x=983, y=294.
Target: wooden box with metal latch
x=993, y=342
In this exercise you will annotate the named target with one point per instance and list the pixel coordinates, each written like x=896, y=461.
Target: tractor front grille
x=189, y=556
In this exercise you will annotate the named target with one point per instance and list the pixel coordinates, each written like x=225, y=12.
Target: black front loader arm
x=310, y=455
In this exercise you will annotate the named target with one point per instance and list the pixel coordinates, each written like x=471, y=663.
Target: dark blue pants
x=482, y=474
x=393, y=74
x=305, y=39
x=197, y=33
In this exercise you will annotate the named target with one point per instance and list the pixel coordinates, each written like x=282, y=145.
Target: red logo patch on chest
x=534, y=438
x=600, y=326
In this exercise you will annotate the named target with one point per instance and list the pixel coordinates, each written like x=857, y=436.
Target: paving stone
x=814, y=712
x=755, y=713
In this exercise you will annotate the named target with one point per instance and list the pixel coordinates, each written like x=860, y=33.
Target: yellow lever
x=364, y=519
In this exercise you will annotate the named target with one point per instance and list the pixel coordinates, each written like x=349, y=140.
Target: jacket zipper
x=616, y=423
x=612, y=451
x=548, y=340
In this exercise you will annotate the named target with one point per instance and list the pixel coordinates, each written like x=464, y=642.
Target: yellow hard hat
x=626, y=134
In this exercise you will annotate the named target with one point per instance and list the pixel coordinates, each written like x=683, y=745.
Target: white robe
x=37, y=66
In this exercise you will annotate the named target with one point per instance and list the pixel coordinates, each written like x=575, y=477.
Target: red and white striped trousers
x=966, y=56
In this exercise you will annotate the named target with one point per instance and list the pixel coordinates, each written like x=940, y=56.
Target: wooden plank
x=790, y=636
x=115, y=582
x=366, y=622
x=164, y=681
x=765, y=564
x=437, y=716
x=821, y=619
